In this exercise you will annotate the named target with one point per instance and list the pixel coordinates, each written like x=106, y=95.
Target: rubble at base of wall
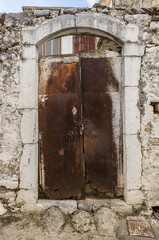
x=11, y=146
x=94, y=219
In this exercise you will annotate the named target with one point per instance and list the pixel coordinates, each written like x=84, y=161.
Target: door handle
x=69, y=136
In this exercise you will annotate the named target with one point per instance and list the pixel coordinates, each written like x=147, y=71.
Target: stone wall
x=12, y=147
x=130, y=3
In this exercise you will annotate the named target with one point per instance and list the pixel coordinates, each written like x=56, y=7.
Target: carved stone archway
x=88, y=23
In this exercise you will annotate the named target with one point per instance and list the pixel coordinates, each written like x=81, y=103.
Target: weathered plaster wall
x=12, y=148
x=150, y=125
x=10, y=115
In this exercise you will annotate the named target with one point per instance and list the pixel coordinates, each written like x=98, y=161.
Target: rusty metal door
x=100, y=153
x=61, y=168
x=83, y=43
x=76, y=126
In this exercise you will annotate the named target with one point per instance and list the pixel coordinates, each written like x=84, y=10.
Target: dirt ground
x=22, y=226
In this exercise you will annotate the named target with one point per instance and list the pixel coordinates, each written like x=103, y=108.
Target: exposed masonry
x=14, y=146
x=130, y=3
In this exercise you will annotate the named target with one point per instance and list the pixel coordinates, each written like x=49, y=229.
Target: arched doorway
x=80, y=119
x=91, y=23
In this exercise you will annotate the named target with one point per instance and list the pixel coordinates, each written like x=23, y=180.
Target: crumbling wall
x=150, y=124
x=10, y=117
x=11, y=147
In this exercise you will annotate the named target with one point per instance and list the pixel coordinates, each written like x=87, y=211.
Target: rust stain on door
x=77, y=144
x=60, y=141
x=83, y=43
x=99, y=146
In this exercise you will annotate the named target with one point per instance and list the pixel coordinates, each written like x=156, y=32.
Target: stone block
x=29, y=84
x=85, y=207
x=133, y=49
x=53, y=220
x=94, y=204
x=30, y=52
x=103, y=22
x=106, y=3
x=154, y=25
x=70, y=10
x=39, y=13
x=29, y=126
x=123, y=210
x=131, y=71
x=106, y=222
x=52, y=26
x=132, y=162
x=152, y=198
x=66, y=206
x=117, y=203
x=92, y=20
x=27, y=197
x=28, y=167
x=81, y=221
x=2, y=209
x=9, y=183
x=131, y=113
x=131, y=33
x=29, y=35
x=134, y=197
x=21, y=18
x=9, y=196
x=120, y=207
x=141, y=20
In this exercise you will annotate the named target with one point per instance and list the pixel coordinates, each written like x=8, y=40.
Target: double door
x=77, y=145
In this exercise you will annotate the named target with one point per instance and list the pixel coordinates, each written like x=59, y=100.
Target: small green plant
x=41, y=194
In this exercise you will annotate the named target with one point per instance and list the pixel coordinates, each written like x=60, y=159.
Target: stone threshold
x=70, y=206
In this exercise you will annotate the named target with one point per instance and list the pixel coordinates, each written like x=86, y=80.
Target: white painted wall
x=67, y=45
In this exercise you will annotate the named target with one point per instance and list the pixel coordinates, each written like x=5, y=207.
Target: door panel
x=100, y=151
x=59, y=109
x=69, y=94
x=98, y=76
x=83, y=43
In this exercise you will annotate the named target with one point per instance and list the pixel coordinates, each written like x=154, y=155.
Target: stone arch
x=92, y=23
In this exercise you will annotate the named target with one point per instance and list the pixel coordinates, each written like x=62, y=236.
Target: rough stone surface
x=131, y=3
x=149, y=126
x=66, y=206
x=2, y=209
x=125, y=210
x=31, y=227
x=85, y=207
x=53, y=219
x=106, y=222
x=42, y=12
x=26, y=197
x=81, y=221
x=93, y=204
x=134, y=197
x=19, y=226
x=120, y=207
